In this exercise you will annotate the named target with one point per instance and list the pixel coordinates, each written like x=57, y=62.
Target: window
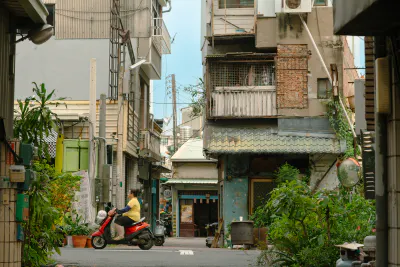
x=324, y=88
x=236, y=3
x=320, y=2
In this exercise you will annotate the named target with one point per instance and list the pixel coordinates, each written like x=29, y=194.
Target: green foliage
x=341, y=126
x=75, y=226
x=286, y=172
x=35, y=120
x=304, y=227
x=42, y=237
x=198, y=97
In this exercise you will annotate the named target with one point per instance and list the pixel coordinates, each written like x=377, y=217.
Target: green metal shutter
x=76, y=155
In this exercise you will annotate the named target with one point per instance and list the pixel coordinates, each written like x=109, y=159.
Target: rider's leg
x=120, y=223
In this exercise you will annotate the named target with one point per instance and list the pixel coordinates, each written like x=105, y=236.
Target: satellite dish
x=349, y=172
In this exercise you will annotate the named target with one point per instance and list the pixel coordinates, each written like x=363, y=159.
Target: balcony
x=149, y=144
x=243, y=102
x=241, y=88
x=161, y=37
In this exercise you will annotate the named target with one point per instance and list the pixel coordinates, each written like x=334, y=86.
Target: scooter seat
x=141, y=220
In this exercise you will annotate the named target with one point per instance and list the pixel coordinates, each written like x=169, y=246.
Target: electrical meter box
x=22, y=212
x=27, y=152
x=17, y=173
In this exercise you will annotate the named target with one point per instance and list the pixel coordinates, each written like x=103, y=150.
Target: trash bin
x=242, y=233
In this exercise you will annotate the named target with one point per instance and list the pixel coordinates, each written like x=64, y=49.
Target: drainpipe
x=329, y=75
x=169, y=9
x=381, y=175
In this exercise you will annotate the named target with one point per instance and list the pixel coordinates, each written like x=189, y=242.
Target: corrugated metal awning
x=192, y=181
x=223, y=140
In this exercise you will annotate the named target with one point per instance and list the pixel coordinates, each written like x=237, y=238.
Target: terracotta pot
x=89, y=243
x=79, y=241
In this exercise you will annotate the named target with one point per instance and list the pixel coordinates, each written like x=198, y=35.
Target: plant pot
x=89, y=242
x=79, y=241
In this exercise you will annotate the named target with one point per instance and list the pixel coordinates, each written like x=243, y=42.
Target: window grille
x=224, y=74
x=236, y=4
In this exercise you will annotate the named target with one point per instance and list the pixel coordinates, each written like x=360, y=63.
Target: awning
x=33, y=9
x=223, y=140
x=192, y=181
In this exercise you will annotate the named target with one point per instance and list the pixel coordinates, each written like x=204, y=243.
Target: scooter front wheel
x=98, y=242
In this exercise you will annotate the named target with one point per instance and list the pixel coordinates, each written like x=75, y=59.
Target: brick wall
x=349, y=75
x=291, y=76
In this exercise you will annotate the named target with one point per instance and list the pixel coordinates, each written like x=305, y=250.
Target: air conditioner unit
x=296, y=6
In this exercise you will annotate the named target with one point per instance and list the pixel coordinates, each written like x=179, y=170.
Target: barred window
x=236, y=3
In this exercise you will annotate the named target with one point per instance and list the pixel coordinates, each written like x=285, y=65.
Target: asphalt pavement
x=177, y=252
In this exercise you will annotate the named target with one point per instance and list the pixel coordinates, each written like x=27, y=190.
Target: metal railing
x=149, y=144
x=243, y=102
x=161, y=37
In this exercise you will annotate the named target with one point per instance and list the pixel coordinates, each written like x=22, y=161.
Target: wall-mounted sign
x=167, y=193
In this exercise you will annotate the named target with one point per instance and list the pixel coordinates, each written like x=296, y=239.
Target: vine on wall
x=341, y=126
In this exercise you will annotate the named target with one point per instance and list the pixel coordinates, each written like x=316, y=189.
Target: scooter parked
x=159, y=233
x=137, y=234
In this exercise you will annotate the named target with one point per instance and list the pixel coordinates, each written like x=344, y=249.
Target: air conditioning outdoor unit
x=296, y=6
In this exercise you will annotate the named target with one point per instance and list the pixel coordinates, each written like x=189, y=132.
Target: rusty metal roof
x=221, y=140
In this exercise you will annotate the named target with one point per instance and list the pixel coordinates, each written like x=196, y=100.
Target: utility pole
x=105, y=183
x=116, y=183
x=174, y=112
x=92, y=129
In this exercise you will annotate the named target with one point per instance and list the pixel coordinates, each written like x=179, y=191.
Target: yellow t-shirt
x=134, y=212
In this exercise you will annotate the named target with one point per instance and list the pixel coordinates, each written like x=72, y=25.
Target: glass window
x=320, y=2
x=324, y=88
x=236, y=3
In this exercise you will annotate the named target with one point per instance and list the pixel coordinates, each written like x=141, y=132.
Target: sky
x=185, y=60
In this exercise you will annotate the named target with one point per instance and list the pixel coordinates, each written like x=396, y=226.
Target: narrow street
x=176, y=252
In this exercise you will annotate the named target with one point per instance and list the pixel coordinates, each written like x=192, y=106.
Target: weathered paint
x=194, y=170
x=231, y=21
x=235, y=199
x=244, y=102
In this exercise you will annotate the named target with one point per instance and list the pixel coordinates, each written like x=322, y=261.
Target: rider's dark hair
x=134, y=192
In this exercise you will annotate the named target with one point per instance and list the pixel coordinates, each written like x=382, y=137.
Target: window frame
x=221, y=4
x=324, y=4
x=328, y=88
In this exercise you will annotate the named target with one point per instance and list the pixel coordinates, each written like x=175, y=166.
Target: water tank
x=185, y=133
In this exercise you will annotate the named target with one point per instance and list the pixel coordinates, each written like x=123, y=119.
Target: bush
x=304, y=227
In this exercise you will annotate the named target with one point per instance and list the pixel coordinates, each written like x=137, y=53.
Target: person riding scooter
x=130, y=214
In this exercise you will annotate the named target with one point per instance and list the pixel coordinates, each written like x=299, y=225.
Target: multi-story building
x=127, y=39
x=379, y=22
x=267, y=90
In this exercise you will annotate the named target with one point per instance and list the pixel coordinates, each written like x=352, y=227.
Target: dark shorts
x=124, y=220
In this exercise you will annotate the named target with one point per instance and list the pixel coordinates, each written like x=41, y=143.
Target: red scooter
x=137, y=234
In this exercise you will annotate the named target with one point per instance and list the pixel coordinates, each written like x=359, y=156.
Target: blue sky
x=185, y=60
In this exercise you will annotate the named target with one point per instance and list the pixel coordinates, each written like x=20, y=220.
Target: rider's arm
x=126, y=209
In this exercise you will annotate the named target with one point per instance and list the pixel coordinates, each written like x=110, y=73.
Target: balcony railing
x=243, y=102
x=149, y=144
x=161, y=37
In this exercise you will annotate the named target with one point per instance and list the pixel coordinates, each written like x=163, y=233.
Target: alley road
x=158, y=256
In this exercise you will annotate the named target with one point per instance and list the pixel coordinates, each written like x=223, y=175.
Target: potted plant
x=77, y=229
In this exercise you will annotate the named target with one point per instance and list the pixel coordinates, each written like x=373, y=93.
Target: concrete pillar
x=394, y=180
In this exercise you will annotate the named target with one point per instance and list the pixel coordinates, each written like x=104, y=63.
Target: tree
x=35, y=120
x=198, y=97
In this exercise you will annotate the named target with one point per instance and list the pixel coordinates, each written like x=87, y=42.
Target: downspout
x=381, y=175
x=329, y=75
x=169, y=9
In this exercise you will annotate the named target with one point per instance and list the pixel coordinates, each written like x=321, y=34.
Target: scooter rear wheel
x=146, y=246
x=98, y=242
